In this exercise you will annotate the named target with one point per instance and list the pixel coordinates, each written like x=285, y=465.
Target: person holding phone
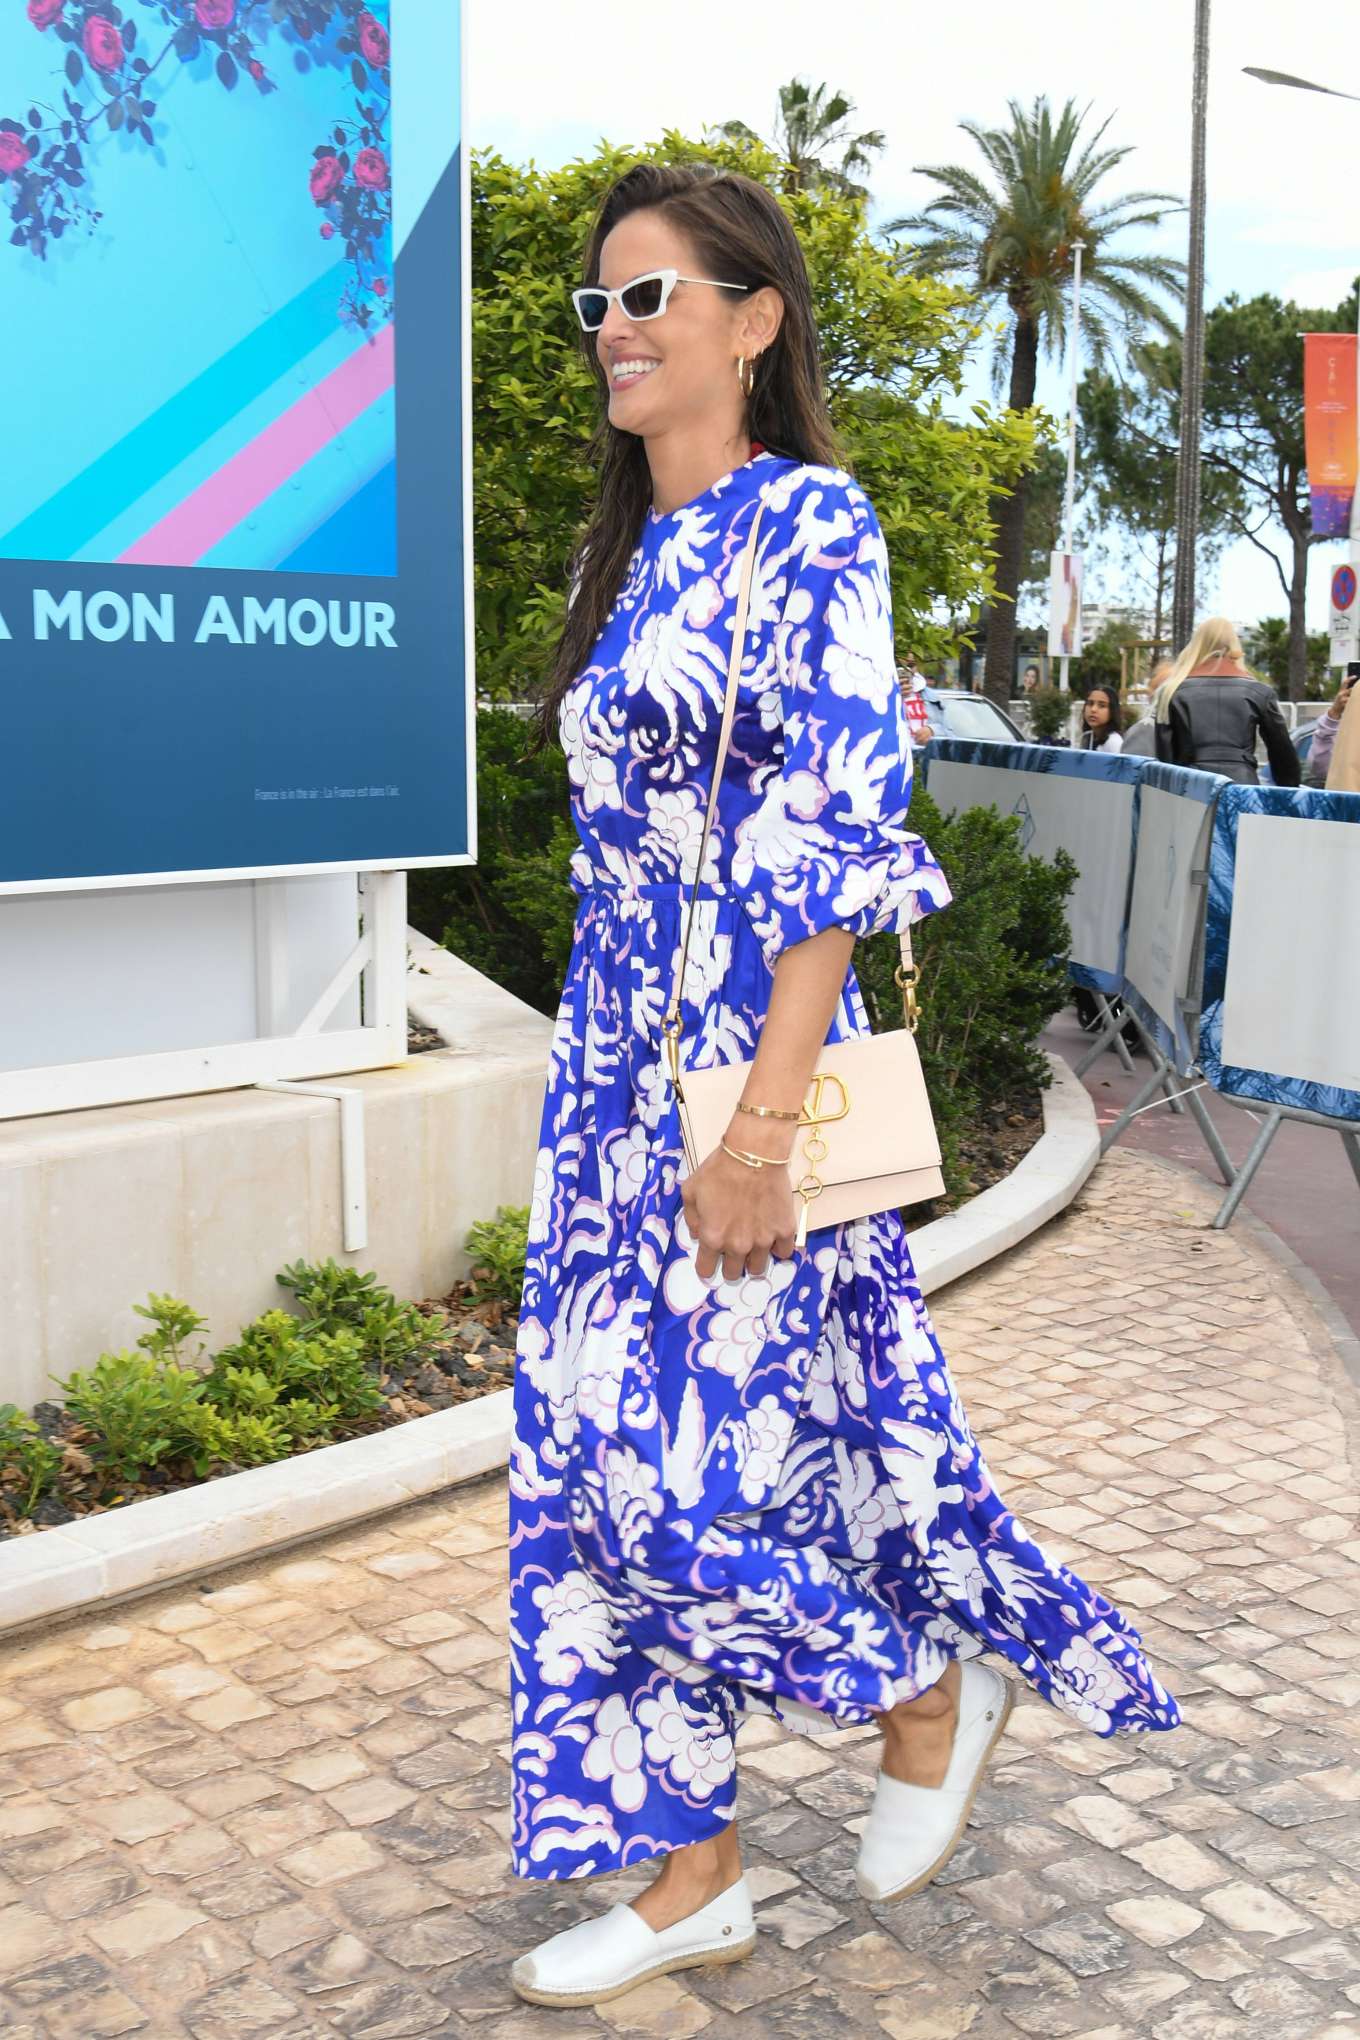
x=1322, y=753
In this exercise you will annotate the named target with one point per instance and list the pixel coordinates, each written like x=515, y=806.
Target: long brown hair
x=740, y=234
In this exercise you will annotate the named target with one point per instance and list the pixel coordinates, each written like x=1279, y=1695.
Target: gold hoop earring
x=748, y=382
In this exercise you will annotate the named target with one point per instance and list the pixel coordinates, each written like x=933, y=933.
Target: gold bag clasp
x=815, y=1110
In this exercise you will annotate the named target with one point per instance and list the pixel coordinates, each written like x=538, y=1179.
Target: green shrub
x=28, y=1462
x=174, y=1322
x=335, y=1298
x=992, y=969
x=1049, y=709
x=498, y=1247
x=278, y=1361
x=328, y=1294
x=134, y=1405
x=510, y=914
x=215, y=1437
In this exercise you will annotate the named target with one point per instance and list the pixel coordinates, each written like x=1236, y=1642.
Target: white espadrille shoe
x=602, y=1958
x=913, y=1830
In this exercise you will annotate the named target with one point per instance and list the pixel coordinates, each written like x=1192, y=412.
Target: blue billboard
x=235, y=597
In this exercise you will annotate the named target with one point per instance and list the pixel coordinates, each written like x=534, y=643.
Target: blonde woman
x=1211, y=709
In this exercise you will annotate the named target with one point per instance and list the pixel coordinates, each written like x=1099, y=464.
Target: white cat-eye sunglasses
x=646, y=297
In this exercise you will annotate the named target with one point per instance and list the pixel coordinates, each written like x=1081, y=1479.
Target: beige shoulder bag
x=868, y=1138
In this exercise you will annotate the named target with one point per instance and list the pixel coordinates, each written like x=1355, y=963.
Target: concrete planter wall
x=207, y=1197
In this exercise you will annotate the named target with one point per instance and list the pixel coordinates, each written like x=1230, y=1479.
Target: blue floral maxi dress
x=762, y=1493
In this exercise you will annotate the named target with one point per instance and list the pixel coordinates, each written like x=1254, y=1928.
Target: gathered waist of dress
x=602, y=887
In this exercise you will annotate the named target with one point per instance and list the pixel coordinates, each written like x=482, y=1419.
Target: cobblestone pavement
x=275, y=1804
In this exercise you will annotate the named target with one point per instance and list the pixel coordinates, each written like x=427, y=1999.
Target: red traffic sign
x=1343, y=587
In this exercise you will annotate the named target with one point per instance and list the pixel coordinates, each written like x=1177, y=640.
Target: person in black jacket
x=1211, y=710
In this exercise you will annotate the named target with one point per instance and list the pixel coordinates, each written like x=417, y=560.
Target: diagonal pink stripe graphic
x=217, y=506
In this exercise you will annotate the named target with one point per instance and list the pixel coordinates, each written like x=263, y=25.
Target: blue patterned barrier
x=1281, y=956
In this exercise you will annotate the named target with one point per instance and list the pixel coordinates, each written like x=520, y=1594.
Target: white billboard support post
x=380, y=955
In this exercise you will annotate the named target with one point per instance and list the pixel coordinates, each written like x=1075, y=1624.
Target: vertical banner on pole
x=1329, y=426
x=1064, y=605
x=1344, y=636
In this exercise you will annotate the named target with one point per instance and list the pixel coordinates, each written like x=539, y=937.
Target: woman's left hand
x=740, y=1216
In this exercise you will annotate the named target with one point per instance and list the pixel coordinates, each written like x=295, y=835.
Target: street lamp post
x=1192, y=355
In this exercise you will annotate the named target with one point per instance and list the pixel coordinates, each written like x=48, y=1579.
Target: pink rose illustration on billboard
x=227, y=165
x=118, y=64
x=103, y=44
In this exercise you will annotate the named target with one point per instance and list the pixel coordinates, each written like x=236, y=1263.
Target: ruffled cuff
x=880, y=884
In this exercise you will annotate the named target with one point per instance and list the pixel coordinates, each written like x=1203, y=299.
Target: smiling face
x=679, y=370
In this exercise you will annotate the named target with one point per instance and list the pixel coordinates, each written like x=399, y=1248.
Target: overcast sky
x=547, y=83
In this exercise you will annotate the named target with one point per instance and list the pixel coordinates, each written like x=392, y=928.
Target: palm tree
x=1011, y=239
x=811, y=123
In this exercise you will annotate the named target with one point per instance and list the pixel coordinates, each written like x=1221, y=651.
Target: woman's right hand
x=740, y=1216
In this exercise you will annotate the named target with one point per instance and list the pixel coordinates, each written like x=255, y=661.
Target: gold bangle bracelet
x=751, y=1161
x=767, y=1111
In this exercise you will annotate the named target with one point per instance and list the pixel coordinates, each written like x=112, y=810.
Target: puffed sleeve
x=828, y=845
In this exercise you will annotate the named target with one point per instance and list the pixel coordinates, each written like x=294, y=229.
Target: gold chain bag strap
x=879, y=1148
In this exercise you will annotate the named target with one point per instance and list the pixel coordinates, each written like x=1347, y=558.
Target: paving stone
x=343, y=1959
x=1142, y=1992
x=102, y=2015
x=1013, y=1899
x=1216, y=1958
x=1177, y=1862
x=1247, y=1909
x=335, y=1856
x=146, y=1924
x=27, y=1937
x=55, y=1849
x=233, y=1896
x=1081, y=1942
x=74, y=1973
x=191, y=1853
x=1259, y=1851
x=90, y=1888
x=661, y=2007
x=396, y=1894
x=1157, y=1920
x=433, y=1941
x=1105, y=1821
x=1292, y=1804
x=288, y=1927
x=799, y=1919
x=1272, y=1993
x=251, y=2010
x=867, y=1962
x=1332, y=1960
x=189, y=1964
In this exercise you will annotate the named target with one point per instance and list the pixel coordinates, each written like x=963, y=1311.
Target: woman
x=1211, y=710
x=741, y=1476
x=1334, y=756
x=1100, y=724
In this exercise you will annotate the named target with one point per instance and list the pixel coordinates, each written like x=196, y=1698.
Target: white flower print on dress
x=613, y=1756
x=698, y=1755
x=745, y=1316
x=1088, y=1685
x=761, y=1495
x=633, y=1497
x=760, y=1441
x=577, y=1632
